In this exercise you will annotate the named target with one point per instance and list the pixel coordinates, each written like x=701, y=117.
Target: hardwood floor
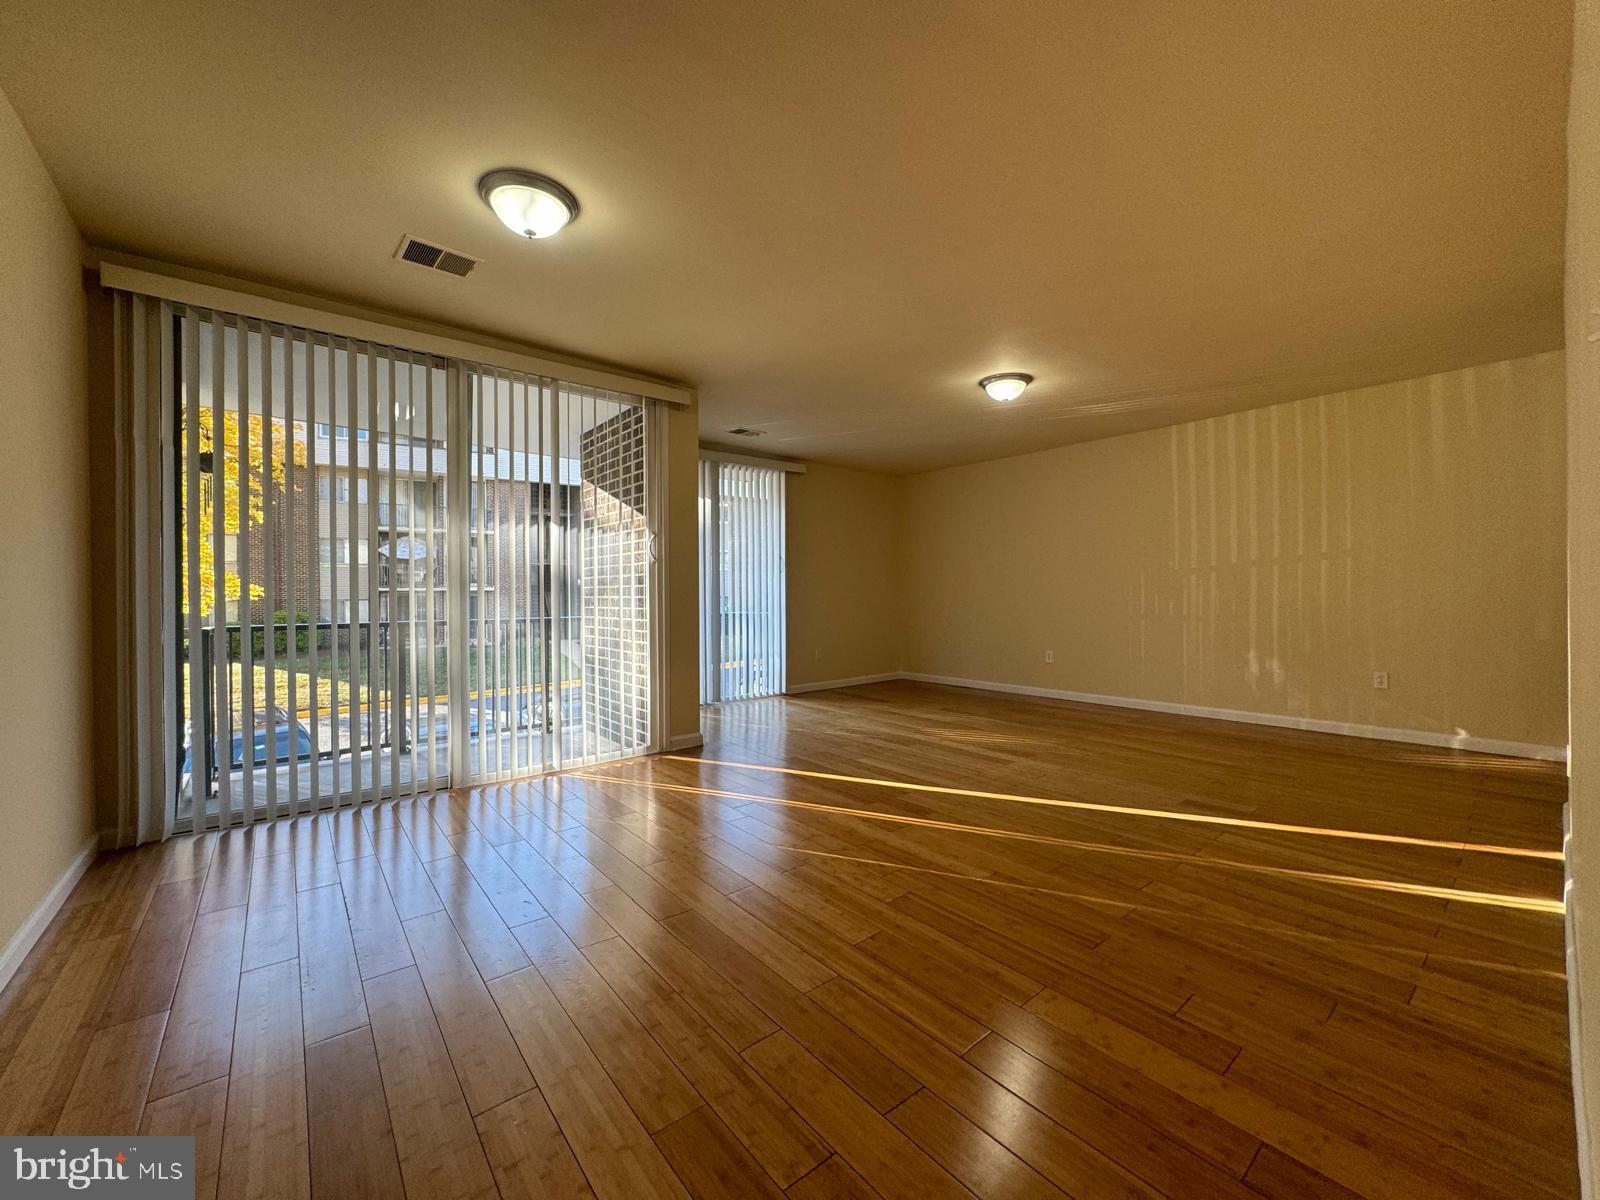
x=898, y=941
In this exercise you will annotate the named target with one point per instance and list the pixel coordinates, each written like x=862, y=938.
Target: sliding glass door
x=559, y=561
x=742, y=586
x=397, y=572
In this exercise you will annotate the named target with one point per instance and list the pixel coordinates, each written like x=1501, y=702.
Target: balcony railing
x=363, y=715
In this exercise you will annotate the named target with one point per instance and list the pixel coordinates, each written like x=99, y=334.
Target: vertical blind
x=393, y=571
x=312, y=544
x=558, y=600
x=742, y=601
x=615, y=550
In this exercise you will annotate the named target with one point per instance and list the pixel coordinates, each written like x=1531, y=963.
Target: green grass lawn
x=320, y=681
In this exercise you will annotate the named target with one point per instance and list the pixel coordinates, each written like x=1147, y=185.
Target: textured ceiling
x=834, y=217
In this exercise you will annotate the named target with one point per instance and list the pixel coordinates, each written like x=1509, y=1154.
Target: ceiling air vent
x=742, y=431
x=436, y=258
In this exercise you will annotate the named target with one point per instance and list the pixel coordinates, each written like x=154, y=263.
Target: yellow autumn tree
x=237, y=504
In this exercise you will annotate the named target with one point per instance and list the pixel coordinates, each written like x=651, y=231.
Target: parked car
x=288, y=739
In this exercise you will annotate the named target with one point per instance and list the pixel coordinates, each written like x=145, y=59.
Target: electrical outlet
x=1049, y=656
x=1380, y=680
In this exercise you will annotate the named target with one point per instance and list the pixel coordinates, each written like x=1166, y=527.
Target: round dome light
x=1005, y=387
x=530, y=205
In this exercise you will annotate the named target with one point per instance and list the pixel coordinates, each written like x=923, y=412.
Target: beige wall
x=1583, y=531
x=1271, y=560
x=45, y=728
x=841, y=563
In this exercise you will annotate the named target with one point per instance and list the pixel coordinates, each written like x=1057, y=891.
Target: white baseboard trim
x=685, y=741
x=795, y=689
x=1383, y=733
x=29, y=932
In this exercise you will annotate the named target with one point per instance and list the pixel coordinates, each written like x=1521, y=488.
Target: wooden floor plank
x=1108, y=1080
x=352, y=1145
x=711, y=1162
x=494, y=948
x=228, y=879
x=109, y=1095
x=410, y=889
x=580, y=922
x=199, y=1112
x=38, y=1077
x=834, y=1179
x=845, y=1053
x=375, y=929
x=884, y=1156
x=773, y=1133
x=331, y=999
x=198, y=1043
x=1147, y=1152
x=21, y=998
x=486, y=1060
x=1061, y=1153
x=642, y=1071
x=271, y=933
x=723, y=1006
x=943, y=1021
x=150, y=976
x=439, y=1151
x=969, y=1154
x=316, y=861
x=1278, y=1177
x=529, y=1155
x=349, y=834
x=615, y=1151
x=265, y=1147
x=510, y=897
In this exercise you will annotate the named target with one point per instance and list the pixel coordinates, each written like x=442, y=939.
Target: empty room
x=726, y=601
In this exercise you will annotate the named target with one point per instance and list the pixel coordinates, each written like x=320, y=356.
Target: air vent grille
x=437, y=258
x=420, y=253
x=456, y=264
x=743, y=431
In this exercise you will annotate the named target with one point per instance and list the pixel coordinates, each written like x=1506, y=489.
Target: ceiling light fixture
x=528, y=204
x=1005, y=387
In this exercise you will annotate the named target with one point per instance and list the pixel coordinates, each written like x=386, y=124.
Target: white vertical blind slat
x=545, y=538
x=555, y=531
x=246, y=614
x=586, y=550
x=125, y=312
x=480, y=624
x=323, y=577
x=433, y=567
x=488, y=609
x=199, y=775
x=508, y=524
x=222, y=696
x=780, y=487
x=349, y=711
x=527, y=586
x=145, y=593
x=742, y=585
x=413, y=693
x=390, y=614
x=269, y=530
x=292, y=609
x=372, y=760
